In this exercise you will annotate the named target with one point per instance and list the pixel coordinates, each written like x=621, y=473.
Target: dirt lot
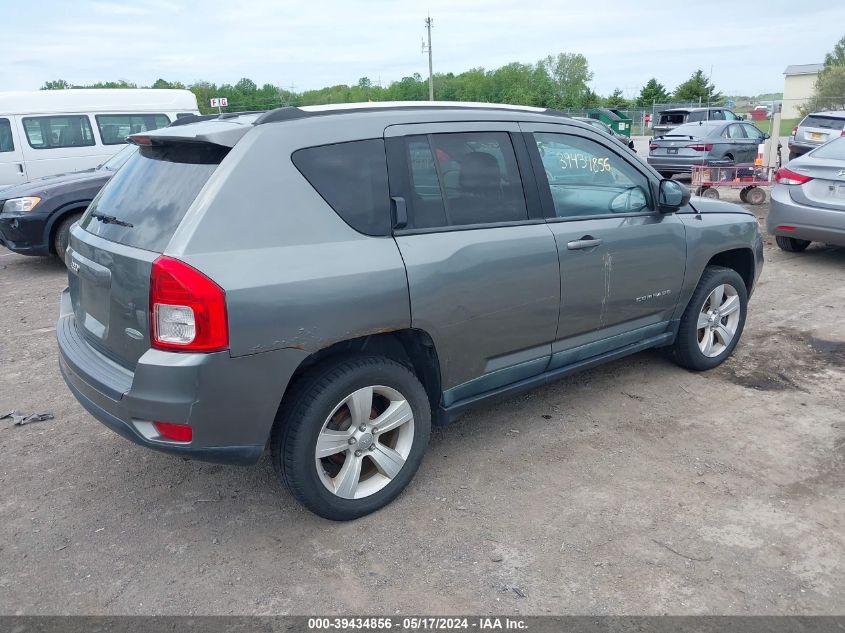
x=635, y=488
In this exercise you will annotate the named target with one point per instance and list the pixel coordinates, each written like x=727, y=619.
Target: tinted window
x=753, y=132
x=50, y=132
x=152, y=192
x=114, y=128
x=464, y=178
x=730, y=116
x=352, y=178
x=6, y=142
x=823, y=121
x=586, y=178
x=672, y=118
x=734, y=131
x=835, y=149
x=697, y=116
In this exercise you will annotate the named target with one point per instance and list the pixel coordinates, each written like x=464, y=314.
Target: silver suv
x=815, y=130
x=330, y=281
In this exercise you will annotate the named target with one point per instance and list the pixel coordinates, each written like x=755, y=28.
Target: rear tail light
x=786, y=176
x=652, y=147
x=794, y=131
x=174, y=432
x=701, y=148
x=187, y=309
x=784, y=227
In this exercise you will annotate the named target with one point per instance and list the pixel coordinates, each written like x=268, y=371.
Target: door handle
x=399, y=212
x=20, y=167
x=588, y=241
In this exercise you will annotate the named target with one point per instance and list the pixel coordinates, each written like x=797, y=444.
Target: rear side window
x=352, y=178
x=53, y=132
x=696, y=116
x=114, y=128
x=6, y=142
x=147, y=198
x=823, y=122
x=461, y=179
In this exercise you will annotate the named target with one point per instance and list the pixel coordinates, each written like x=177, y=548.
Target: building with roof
x=799, y=81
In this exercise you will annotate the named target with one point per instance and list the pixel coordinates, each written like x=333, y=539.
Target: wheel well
x=57, y=221
x=412, y=348
x=739, y=259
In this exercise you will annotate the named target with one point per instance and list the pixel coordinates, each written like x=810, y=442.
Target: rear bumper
x=811, y=223
x=681, y=164
x=230, y=403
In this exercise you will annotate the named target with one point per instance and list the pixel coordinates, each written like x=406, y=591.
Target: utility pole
x=428, y=23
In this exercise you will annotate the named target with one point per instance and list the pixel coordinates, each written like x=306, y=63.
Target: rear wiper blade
x=110, y=219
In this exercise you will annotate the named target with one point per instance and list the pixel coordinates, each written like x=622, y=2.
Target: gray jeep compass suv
x=330, y=281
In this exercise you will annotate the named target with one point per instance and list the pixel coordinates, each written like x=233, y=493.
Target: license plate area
x=672, y=150
x=816, y=136
x=90, y=291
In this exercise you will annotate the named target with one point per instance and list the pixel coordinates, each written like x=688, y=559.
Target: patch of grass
x=786, y=125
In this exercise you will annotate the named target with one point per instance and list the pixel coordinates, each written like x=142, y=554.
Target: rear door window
x=114, y=128
x=734, y=131
x=464, y=179
x=696, y=116
x=717, y=115
x=7, y=144
x=352, y=178
x=53, y=132
x=143, y=204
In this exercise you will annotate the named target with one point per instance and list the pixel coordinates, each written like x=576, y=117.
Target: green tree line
x=558, y=81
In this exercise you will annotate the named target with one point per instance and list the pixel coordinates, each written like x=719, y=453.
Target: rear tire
x=743, y=194
x=791, y=244
x=708, y=333
x=62, y=235
x=710, y=192
x=327, y=408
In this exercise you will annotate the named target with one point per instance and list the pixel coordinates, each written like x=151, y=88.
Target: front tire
x=791, y=244
x=713, y=320
x=62, y=235
x=350, y=435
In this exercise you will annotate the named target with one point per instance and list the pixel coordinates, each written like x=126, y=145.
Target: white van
x=48, y=132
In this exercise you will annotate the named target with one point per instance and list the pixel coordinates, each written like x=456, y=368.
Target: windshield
x=116, y=162
x=693, y=129
x=835, y=149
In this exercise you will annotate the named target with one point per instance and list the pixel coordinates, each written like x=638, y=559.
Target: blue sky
x=312, y=44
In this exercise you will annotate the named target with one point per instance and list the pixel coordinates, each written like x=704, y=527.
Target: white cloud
x=333, y=41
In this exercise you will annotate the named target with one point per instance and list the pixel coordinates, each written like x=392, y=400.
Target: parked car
x=604, y=127
x=815, y=130
x=808, y=199
x=49, y=132
x=35, y=217
x=716, y=143
x=667, y=120
x=329, y=281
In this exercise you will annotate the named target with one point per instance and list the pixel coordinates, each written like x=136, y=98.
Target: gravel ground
x=634, y=488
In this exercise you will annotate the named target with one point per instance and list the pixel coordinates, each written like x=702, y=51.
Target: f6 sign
x=219, y=102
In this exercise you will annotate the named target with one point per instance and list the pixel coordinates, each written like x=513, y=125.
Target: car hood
x=707, y=205
x=50, y=184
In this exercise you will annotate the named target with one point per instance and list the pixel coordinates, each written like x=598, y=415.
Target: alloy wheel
x=718, y=320
x=364, y=442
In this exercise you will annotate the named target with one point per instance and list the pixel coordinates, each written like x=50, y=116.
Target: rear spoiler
x=225, y=132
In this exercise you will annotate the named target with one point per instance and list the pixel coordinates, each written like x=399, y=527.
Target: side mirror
x=766, y=136
x=672, y=196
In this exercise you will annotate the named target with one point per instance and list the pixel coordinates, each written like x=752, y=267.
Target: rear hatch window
x=672, y=118
x=823, y=122
x=143, y=204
